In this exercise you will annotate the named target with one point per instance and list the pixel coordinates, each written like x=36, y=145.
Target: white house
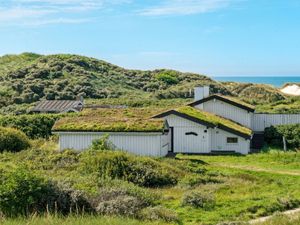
x=126, y=131
x=210, y=124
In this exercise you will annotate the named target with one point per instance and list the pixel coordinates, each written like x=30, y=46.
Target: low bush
x=274, y=134
x=12, y=140
x=121, y=198
x=168, y=77
x=143, y=171
x=34, y=126
x=159, y=213
x=199, y=200
x=24, y=193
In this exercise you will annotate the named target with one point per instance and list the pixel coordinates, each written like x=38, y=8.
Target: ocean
x=275, y=81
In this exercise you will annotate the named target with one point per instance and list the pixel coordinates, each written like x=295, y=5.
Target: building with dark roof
x=58, y=106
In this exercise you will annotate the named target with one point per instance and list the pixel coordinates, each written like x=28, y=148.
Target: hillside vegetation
x=28, y=78
x=41, y=185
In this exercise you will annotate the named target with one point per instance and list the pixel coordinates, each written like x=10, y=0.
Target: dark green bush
x=199, y=200
x=274, y=134
x=12, y=140
x=34, y=126
x=143, y=171
x=23, y=193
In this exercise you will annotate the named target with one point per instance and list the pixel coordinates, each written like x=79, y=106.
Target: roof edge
x=224, y=99
x=211, y=125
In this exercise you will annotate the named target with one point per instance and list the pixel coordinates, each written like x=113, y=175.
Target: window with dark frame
x=232, y=140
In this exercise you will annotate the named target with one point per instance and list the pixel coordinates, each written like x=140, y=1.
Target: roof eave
x=211, y=125
x=249, y=109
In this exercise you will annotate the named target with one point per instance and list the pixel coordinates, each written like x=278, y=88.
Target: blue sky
x=213, y=37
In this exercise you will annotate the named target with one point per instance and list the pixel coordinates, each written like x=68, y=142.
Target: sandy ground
x=291, y=90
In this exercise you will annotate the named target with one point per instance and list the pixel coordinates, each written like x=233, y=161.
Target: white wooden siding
x=261, y=121
x=151, y=144
x=189, y=143
x=228, y=111
x=219, y=142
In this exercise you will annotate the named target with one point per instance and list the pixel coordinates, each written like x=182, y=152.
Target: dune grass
x=241, y=193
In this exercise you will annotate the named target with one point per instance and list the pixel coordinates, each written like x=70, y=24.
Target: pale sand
x=291, y=90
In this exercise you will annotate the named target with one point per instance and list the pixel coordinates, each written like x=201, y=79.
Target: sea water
x=277, y=81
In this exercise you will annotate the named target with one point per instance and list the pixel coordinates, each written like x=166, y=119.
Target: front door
x=191, y=140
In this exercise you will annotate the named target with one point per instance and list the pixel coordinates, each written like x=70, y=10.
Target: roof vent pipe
x=201, y=93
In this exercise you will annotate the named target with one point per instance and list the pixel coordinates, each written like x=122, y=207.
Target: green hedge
x=24, y=193
x=12, y=140
x=34, y=126
x=274, y=134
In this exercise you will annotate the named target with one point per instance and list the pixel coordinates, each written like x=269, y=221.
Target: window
x=232, y=140
x=191, y=133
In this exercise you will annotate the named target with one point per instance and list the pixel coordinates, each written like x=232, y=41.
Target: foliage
x=213, y=119
x=199, y=200
x=142, y=171
x=251, y=186
x=274, y=134
x=34, y=126
x=66, y=76
x=102, y=144
x=12, y=140
x=23, y=193
x=76, y=219
x=168, y=77
x=159, y=213
x=288, y=105
x=256, y=94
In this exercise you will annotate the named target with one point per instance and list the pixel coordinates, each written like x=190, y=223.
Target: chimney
x=79, y=98
x=201, y=92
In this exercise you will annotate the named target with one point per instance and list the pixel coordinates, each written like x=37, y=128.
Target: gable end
x=218, y=97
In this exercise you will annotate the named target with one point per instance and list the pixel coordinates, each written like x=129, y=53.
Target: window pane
x=232, y=140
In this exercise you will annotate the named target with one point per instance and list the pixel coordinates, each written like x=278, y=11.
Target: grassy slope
x=240, y=194
x=28, y=77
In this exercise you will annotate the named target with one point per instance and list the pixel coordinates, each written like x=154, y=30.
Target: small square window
x=232, y=140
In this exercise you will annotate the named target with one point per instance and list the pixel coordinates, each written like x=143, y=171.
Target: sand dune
x=291, y=90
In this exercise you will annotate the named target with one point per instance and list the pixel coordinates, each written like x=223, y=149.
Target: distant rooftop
x=58, y=106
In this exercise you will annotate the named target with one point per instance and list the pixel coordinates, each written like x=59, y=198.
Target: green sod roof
x=110, y=120
x=233, y=99
x=213, y=119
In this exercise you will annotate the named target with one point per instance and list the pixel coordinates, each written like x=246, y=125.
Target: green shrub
x=34, y=126
x=168, y=77
x=23, y=193
x=274, y=134
x=121, y=198
x=159, y=213
x=143, y=171
x=12, y=140
x=199, y=200
x=102, y=144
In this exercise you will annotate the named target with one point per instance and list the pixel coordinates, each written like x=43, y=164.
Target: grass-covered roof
x=233, y=99
x=208, y=119
x=213, y=119
x=111, y=120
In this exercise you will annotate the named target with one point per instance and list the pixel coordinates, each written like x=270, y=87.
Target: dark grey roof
x=57, y=106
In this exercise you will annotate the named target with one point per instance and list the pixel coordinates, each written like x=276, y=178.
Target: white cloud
x=185, y=7
x=42, y=12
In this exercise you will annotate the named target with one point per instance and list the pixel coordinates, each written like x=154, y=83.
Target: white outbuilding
x=125, y=131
